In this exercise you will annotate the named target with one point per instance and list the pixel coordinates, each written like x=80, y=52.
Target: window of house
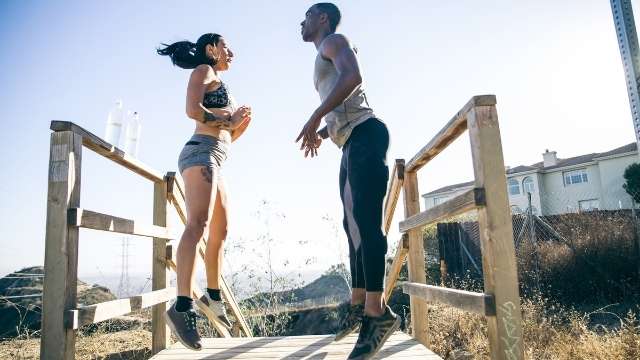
x=528, y=185
x=439, y=200
x=575, y=177
x=589, y=205
x=514, y=187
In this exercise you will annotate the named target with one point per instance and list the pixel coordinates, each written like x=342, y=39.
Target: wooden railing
x=61, y=315
x=500, y=302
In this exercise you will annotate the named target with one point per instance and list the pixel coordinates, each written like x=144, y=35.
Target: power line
x=19, y=296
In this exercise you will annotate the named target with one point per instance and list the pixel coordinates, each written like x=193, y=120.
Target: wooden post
x=415, y=261
x=61, y=247
x=496, y=235
x=159, y=329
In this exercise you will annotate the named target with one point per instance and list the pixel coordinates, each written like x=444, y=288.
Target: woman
x=218, y=123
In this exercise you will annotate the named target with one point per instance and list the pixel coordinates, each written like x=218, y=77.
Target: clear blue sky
x=554, y=66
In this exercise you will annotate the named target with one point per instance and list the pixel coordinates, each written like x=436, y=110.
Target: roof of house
x=576, y=160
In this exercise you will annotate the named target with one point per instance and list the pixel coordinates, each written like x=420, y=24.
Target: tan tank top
x=351, y=113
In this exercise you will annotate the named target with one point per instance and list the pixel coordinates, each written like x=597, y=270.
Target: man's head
x=320, y=18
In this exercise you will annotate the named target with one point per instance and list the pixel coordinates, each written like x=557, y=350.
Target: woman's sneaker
x=351, y=322
x=373, y=334
x=214, y=310
x=183, y=326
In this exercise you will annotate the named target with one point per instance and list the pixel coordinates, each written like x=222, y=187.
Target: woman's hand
x=240, y=116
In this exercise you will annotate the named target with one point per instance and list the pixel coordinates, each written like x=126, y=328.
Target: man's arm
x=337, y=49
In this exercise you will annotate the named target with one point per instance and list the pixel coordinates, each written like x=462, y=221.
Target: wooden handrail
x=93, y=220
x=469, y=200
x=396, y=265
x=478, y=303
x=101, y=147
x=393, y=193
x=454, y=128
x=500, y=302
x=92, y=314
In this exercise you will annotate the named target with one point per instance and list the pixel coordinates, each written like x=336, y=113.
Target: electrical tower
x=628, y=44
x=123, y=285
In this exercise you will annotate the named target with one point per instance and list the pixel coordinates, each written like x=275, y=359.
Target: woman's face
x=224, y=55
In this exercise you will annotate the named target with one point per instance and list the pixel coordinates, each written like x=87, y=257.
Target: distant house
x=581, y=183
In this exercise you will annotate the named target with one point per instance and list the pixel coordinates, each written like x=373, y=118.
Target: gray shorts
x=203, y=150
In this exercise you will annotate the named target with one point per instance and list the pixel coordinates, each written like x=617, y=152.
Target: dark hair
x=188, y=55
x=333, y=13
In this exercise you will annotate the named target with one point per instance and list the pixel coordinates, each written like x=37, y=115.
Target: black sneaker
x=183, y=326
x=373, y=334
x=351, y=322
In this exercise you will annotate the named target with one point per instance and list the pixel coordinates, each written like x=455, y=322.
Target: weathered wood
x=398, y=346
x=415, y=260
x=496, y=235
x=462, y=203
x=454, y=128
x=61, y=246
x=393, y=193
x=107, y=150
x=396, y=265
x=93, y=220
x=92, y=314
x=160, y=338
x=464, y=300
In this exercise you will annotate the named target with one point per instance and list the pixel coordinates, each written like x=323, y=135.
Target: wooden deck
x=399, y=346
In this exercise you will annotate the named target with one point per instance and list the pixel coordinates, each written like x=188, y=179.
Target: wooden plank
x=393, y=193
x=451, y=131
x=462, y=203
x=93, y=220
x=496, y=235
x=396, y=265
x=145, y=300
x=416, y=261
x=160, y=338
x=107, y=150
x=95, y=313
x=176, y=194
x=61, y=246
x=464, y=300
x=398, y=346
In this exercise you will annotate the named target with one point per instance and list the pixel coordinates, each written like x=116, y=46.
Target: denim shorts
x=203, y=150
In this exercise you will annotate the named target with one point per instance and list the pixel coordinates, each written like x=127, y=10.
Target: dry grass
x=126, y=344
x=550, y=332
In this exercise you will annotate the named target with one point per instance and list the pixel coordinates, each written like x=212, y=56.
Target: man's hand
x=310, y=139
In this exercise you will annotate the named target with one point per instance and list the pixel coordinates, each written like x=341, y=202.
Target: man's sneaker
x=183, y=326
x=351, y=322
x=373, y=333
x=214, y=310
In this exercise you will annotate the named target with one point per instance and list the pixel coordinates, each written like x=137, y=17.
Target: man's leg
x=353, y=318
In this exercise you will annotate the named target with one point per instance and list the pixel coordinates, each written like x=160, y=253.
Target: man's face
x=310, y=24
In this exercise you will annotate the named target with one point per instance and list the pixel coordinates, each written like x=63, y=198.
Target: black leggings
x=363, y=185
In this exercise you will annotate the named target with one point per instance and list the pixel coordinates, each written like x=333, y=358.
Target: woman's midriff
x=222, y=134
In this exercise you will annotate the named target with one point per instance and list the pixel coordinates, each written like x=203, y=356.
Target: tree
x=632, y=184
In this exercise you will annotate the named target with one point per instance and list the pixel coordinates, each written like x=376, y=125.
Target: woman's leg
x=200, y=198
x=217, y=236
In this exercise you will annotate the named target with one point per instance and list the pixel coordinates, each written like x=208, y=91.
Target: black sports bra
x=217, y=98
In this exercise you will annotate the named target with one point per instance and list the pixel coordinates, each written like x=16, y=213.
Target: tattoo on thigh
x=207, y=172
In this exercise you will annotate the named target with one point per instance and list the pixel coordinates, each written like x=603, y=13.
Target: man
x=364, y=139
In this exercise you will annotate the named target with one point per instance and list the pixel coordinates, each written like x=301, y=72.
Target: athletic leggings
x=363, y=186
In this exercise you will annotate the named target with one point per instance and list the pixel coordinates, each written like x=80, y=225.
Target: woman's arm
x=200, y=79
x=237, y=132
